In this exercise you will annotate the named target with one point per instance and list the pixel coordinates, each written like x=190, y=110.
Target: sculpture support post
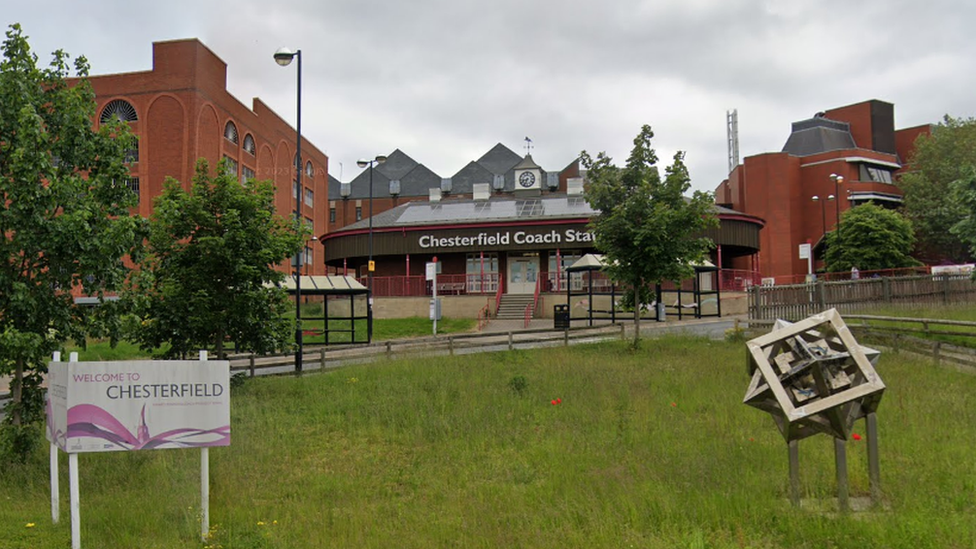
x=843, y=488
x=874, y=467
x=794, y=446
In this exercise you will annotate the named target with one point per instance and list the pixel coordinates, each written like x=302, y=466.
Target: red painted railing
x=447, y=284
x=492, y=283
x=498, y=297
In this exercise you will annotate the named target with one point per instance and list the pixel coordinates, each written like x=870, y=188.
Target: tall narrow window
x=231, y=166
x=230, y=132
x=309, y=198
x=359, y=213
x=249, y=144
x=332, y=215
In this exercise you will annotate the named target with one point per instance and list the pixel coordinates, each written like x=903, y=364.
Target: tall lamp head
x=284, y=56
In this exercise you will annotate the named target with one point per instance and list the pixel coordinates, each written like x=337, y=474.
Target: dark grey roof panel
x=334, y=188
x=359, y=187
x=419, y=181
x=463, y=182
x=815, y=139
x=397, y=165
x=499, y=159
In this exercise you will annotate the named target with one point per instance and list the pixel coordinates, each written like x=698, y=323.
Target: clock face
x=527, y=179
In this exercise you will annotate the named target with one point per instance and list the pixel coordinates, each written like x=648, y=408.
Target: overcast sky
x=444, y=80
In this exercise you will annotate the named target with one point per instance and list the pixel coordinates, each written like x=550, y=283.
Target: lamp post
x=283, y=57
x=823, y=223
x=838, y=180
x=362, y=163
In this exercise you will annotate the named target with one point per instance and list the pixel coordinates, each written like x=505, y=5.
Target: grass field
x=646, y=449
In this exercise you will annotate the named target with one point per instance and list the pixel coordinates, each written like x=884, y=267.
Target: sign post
x=434, y=305
x=135, y=405
x=805, y=254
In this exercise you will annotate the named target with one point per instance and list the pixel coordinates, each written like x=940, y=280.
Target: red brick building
x=181, y=111
x=858, y=143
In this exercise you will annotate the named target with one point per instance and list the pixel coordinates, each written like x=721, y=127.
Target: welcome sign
x=138, y=405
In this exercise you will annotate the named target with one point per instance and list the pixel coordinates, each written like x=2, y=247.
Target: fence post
x=623, y=335
x=251, y=362
x=938, y=352
x=886, y=289
x=389, y=350
x=450, y=345
x=322, y=358
x=566, y=337
x=822, y=290
x=510, y=343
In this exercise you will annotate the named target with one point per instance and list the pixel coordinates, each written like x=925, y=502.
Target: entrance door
x=522, y=274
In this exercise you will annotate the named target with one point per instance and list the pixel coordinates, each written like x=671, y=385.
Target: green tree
x=645, y=226
x=64, y=216
x=965, y=191
x=871, y=238
x=211, y=257
x=930, y=204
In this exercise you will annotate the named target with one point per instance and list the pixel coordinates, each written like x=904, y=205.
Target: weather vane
x=528, y=146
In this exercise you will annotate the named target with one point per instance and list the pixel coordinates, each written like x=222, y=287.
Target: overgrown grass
x=646, y=449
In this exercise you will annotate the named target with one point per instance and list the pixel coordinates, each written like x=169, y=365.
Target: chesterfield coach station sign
x=506, y=238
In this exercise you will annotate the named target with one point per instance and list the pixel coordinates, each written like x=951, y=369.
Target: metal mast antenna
x=732, y=132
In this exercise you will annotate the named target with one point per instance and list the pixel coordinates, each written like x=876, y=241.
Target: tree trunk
x=219, y=346
x=637, y=312
x=17, y=391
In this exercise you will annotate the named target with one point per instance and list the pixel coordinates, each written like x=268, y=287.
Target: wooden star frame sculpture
x=813, y=377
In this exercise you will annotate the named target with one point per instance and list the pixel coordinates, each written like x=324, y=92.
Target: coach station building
x=501, y=225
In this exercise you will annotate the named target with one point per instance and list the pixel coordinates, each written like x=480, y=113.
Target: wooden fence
x=919, y=336
x=798, y=301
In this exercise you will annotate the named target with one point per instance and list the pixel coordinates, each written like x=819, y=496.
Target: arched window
x=230, y=132
x=309, y=170
x=249, y=144
x=119, y=108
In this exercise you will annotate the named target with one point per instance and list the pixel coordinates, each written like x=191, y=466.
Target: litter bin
x=560, y=317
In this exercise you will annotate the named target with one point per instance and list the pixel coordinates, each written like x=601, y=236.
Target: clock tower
x=528, y=178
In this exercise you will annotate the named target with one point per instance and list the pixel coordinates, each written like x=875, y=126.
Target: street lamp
x=823, y=223
x=838, y=180
x=362, y=163
x=283, y=57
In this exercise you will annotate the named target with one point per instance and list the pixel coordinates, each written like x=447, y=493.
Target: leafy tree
x=939, y=160
x=211, y=257
x=645, y=225
x=64, y=217
x=965, y=191
x=871, y=238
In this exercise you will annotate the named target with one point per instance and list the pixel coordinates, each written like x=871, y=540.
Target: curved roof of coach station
x=498, y=210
